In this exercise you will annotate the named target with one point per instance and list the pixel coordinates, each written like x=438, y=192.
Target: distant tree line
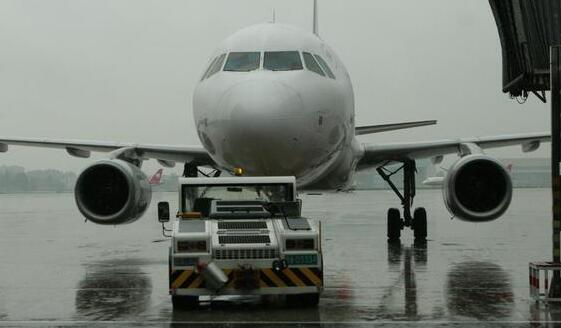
x=14, y=179
x=531, y=172
x=169, y=183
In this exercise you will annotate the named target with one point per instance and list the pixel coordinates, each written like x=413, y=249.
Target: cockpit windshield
x=312, y=64
x=215, y=66
x=325, y=67
x=242, y=61
x=282, y=61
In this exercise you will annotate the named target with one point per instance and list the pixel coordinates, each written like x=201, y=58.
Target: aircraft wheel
x=394, y=225
x=184, y=302
x=420, y=224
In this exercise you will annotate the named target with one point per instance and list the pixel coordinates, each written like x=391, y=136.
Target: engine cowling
x=477, y=188
x=112, y=192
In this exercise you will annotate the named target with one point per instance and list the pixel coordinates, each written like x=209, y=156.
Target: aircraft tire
x=394, y=225
x=420, y=224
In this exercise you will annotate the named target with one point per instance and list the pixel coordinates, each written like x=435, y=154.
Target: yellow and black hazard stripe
x=186, y=279
x=292, y=277
x=289, y=277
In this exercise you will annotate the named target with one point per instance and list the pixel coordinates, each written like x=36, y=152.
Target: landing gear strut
x=417, y=222
x=191, y=170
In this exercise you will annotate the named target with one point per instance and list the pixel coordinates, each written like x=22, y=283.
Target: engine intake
x=477, y=188
x=112, y=192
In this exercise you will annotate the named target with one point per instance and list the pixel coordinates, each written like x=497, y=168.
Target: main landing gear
x=417, y=222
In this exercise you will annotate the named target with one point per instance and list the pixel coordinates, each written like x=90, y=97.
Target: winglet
x=316, y=29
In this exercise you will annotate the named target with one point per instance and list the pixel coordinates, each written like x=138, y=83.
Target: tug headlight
x=191, y=246
x=299, y=244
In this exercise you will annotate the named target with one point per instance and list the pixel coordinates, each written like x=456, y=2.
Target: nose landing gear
x=418, y=221
x=191, y=170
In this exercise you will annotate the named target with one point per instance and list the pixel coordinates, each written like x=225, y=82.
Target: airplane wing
x=165, y=154
x=361, y=130
x=379, y=153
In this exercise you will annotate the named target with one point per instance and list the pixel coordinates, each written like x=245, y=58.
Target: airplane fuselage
x=271, y=119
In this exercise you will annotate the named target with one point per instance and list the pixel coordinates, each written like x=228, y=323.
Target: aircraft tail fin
x=156, y=179
x=315, y=22
x=360, y=130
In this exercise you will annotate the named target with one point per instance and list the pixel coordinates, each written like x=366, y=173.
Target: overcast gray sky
x=125, y=70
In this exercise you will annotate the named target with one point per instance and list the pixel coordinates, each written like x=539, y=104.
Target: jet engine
x=477, y=188
x=112, y=192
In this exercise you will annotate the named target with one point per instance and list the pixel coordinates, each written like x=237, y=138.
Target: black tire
x=302, y=300
x=420, y=224
x=184, y=302
x=394, y=225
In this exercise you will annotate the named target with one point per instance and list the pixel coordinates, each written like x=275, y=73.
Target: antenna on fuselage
x=274, y=18
x=316, y=30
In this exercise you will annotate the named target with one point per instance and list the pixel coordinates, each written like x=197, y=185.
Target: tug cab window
x=198, y=197
x=215, y=66
x=311, y=64
x=325, y=67
x=242, y=61
x=282, y=61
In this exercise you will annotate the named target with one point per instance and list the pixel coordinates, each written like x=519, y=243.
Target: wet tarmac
x=56, y=270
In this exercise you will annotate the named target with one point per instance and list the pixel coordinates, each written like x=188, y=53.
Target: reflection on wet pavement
x=479, y=290
x=3, y=315
x=544, y=315
x=58, y=270
x=244, y=312
x=112, y=290
x=404, y=259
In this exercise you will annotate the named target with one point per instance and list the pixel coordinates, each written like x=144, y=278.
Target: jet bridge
x=527, y=28
x=530, y=33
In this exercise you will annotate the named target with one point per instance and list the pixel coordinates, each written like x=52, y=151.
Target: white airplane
x=277, y=100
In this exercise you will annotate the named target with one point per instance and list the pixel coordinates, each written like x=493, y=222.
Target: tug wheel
x=184, y=302
x=302, y=300
x=394, y=225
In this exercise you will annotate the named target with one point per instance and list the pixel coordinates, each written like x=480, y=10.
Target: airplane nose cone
x=262, y=100
x=265, y=130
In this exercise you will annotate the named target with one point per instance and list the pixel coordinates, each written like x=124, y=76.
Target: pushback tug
x=242, y=236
